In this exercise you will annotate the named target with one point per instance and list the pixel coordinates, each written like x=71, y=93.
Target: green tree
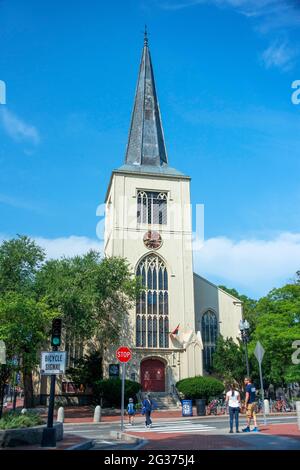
x=277, y=327
x=20, y=259
x=87, y=371
x=229, y=361
x=249, y=305
x=93, y=295
x=24, y=319
x=24, y=326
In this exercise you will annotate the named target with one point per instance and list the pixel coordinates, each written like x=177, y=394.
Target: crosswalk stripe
x=172, y=427
x=182, y=431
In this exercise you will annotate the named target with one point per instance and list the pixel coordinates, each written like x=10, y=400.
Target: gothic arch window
x=209, y=332
x=152, y=306
x=151, y=207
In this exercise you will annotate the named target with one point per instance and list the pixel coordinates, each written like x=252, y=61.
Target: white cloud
x=18, y=129
x=279, y=55
x=68, y=246
x=252, y=266
x=266, y=16
x=281, y=12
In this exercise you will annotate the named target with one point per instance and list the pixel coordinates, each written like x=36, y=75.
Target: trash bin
x=200, y=406
x=187, y=408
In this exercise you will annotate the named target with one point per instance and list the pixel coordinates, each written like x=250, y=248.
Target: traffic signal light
x=56, y=332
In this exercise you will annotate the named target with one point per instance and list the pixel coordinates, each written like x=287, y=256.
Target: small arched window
x=209, y=332
x=152, y=307
x=151, y=207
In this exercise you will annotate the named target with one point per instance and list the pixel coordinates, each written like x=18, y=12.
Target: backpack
x=130, y=408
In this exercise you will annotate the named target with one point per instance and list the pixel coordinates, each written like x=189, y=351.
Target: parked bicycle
x=282, y=406
x=216, y=407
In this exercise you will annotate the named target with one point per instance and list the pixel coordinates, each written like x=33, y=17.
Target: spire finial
x=145, y=36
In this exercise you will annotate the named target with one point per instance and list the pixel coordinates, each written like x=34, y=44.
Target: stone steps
x=164, y=400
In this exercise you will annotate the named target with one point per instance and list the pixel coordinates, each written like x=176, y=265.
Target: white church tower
x=148, y=221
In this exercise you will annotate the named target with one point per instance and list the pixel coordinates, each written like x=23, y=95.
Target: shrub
x=110, y=390
x=13, y=420
x=200, y=387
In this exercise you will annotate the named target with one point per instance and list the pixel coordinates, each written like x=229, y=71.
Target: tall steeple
x=146, y=144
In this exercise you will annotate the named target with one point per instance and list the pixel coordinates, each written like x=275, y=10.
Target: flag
x=175, y=332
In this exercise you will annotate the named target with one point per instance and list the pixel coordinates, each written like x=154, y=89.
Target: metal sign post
x=49, y=433
x=122, y=396
x=123, y=355
x=52, y=363
x=259, y=354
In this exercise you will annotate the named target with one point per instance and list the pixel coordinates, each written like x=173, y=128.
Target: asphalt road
x=100, y=433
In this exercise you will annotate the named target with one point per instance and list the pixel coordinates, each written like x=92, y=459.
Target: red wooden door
x=153, y=375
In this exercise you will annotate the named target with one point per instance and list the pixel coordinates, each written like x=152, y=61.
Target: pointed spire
x=145, y=36
x=146, y=144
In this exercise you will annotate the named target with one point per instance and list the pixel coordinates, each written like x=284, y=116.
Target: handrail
x=175, y=393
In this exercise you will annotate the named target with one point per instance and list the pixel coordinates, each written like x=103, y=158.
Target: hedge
x=14, y=420
x=200, y=387
x=110, y=391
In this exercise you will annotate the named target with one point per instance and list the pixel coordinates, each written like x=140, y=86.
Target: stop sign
x=123, y=354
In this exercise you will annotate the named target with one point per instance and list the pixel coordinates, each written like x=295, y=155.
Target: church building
x=172, y=330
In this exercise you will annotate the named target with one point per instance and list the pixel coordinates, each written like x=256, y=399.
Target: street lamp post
x=244, y=329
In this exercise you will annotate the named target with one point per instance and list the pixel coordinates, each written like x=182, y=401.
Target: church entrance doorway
x=153, y=375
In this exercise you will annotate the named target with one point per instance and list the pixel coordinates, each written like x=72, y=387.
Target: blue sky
x=223, y=70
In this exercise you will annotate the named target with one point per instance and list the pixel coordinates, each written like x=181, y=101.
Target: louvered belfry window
x=152, y=307
x=151, y=207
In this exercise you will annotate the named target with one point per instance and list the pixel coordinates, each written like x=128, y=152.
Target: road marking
x=91, y=431
x=107, y=442
x=172, y=427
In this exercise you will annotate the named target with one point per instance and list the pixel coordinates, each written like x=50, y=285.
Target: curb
x=141, y=444
x=82, y=446
x=84, y=423
x=119, y=435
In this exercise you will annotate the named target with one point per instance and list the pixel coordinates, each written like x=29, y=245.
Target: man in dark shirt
x=250, y=403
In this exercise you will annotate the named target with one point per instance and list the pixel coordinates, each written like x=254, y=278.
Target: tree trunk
x=28, y=389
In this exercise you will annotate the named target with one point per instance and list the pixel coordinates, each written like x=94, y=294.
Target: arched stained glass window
x=209, y=332
x=152, y=306
x=138, y=330
x=165, y=280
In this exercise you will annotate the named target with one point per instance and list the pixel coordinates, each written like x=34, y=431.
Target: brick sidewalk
x=193, y=442
x=181, y=441
x=84, y=414
x=282, y=429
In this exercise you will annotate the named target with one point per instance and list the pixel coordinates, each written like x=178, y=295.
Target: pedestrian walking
x=233, y=400
x=250, y=404
x=131, y=411
x=147, y=409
